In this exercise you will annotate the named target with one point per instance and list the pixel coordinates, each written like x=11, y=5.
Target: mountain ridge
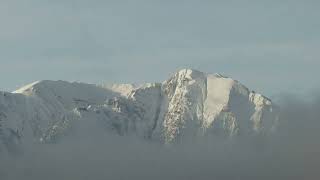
x=189, y=104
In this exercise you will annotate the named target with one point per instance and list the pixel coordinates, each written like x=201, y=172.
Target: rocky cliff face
x=201, y=104
x=189, y=104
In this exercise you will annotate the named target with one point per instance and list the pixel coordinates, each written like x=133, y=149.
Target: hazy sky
x=270, y=46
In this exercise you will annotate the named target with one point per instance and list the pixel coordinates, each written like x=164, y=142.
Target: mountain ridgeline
x=188, y=105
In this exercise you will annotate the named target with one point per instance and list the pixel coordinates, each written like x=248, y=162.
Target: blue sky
x=270, y=46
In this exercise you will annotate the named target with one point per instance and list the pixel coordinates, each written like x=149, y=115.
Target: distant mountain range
x=190, y=104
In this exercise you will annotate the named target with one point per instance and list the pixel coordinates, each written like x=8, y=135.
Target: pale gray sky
x=270, y=46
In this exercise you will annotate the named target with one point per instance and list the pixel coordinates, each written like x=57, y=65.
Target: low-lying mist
x=293, y=152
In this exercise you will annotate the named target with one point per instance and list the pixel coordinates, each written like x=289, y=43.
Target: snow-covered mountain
x=190, y=104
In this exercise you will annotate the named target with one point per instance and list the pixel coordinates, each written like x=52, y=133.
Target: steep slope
x=12, y=119
x=189, y=104
x=202, y=104
x=185, y=92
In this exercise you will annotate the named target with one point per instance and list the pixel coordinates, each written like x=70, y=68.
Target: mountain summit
x=190, y=104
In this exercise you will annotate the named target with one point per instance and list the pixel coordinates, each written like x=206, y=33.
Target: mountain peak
x=189, y=74
x=188, y=70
